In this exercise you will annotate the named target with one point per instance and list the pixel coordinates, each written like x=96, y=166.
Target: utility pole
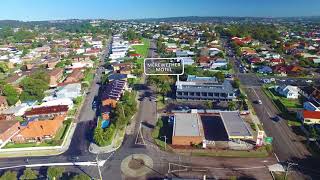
x=99, y=170
x=288, y=168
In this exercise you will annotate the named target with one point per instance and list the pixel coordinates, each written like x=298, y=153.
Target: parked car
x=94, y=104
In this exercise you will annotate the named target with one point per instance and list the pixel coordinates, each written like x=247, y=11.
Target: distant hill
x=191, y=19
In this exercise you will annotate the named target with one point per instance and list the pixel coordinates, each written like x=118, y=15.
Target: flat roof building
x=187, y=129
x=235, y=126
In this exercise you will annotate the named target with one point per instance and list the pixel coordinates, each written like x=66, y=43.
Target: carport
x=235, y=126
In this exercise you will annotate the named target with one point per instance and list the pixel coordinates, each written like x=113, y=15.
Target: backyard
x=142, y=49
x=289, y=103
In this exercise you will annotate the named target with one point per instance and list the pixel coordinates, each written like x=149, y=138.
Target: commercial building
x=235, y=126
x=204, y=88
x=187, y=129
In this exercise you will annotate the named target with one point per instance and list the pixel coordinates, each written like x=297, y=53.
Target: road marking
x=141, y=136
x=276, y=157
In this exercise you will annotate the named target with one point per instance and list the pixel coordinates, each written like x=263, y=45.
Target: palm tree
x=232, y=105
x=164, y=89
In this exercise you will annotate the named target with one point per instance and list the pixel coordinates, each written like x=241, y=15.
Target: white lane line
x=276, y=157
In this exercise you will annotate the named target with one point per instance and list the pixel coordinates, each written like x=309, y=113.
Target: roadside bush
x=155, y=132
x=269, y=148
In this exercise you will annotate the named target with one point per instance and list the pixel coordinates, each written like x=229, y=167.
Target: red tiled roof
x=47, y=110
x=311, y=114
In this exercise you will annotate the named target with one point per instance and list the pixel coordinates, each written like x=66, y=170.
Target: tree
x=232, y=105
x=220, y=76
x=98, y=135
x=9, y=175
x=81, y=177
x=209, y=104
x=236, y=83
x=4, y=67
x=55, y=172
x=34, y=86
x=11, y=93
x=29, y=174
x=164, y=89
x=313, y=133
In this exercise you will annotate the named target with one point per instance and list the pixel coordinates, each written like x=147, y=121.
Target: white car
x=309, y=81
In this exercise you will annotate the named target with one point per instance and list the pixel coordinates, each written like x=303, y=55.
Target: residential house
x=133, y=55
x=70, y=91
x=204, y=61
x=38, y=131
x=277, y=61
x=117, y=76
x=3, y=103
x=8, y=128
x=294, y=70
x=74, y=77
x=46, y=112
x=219, y=63
x=18, y=110
x=310, y=117
x=291, y=92
x=247, y=51
x=311, y=106
x=112, y=92
x=55, y=76
x=279, y=70
x=187, y=61
x=51, y=63
x=264, y=70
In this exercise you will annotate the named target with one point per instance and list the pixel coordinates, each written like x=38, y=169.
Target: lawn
x=282, y=105
x=62, y=131
x=288, y=103
x=25, y=145
x=142, y=49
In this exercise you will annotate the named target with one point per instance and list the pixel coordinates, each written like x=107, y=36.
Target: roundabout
x=137, y=165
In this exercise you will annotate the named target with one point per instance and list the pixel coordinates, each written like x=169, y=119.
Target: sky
x=35, y=10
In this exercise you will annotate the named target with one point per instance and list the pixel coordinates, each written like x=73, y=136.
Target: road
x=212, y=167
x=288, y=144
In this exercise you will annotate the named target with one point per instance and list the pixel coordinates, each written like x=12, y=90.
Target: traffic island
x=136, y=165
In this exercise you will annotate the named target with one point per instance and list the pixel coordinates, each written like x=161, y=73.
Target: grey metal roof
x=225, y=87
x=186, y=124
x=234, y=124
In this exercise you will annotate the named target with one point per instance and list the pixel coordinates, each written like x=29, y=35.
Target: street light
x=97, y=160
x=165, y=142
